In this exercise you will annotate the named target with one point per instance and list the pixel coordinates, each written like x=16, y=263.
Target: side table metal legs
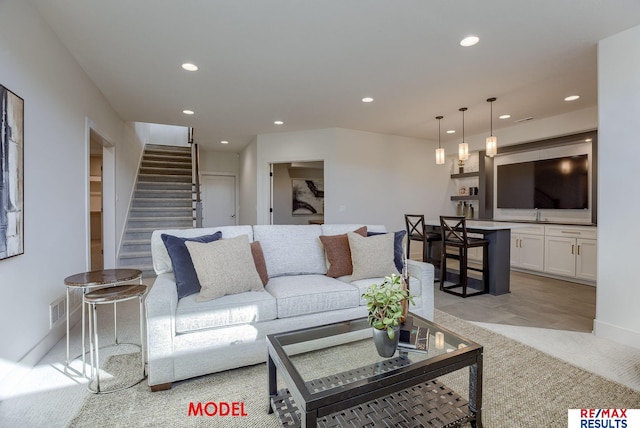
x=113, y=295
x=85, y=281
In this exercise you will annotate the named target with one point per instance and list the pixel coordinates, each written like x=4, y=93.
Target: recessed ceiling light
x=572, y=97
x=188, y=111
x=189, y=67
x=224, y=142
x=278, y=122
x=451, y=131
x=367, y=100
x=504, y=116
x=469, y=41
x=588, y=140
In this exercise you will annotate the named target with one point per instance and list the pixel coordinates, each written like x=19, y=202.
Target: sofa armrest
x=161, y=304
x=425, y=273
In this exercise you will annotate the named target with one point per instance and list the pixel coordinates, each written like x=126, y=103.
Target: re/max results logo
x=603, y=418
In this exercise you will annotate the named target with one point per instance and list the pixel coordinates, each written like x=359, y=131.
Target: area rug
x=523, y=387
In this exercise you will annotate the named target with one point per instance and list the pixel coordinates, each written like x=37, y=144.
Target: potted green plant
x=384, y=305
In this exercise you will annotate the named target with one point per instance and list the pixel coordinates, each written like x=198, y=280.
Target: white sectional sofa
x=187, y=338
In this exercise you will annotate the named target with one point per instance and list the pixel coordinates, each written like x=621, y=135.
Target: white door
x=218, y=200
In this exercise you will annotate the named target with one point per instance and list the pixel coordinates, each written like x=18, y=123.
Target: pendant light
x=463, y=148
x=492, y=142
x=439, y=150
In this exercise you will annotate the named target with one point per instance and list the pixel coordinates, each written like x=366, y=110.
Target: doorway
x=218, y=200
x=96, y=204
x=297, y=193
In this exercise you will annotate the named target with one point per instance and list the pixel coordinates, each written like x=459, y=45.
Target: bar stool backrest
x=454, y=230
x=415, y=226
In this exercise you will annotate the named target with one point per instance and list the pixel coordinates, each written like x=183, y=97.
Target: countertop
x=506, y=224
x=545, y=222
x=483, y=224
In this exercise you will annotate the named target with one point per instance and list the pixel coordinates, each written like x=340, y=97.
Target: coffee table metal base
x=431, y=404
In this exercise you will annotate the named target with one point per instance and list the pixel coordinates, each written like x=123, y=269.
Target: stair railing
x=195, y=160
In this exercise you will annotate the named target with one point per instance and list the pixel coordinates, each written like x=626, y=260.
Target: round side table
x=112, y=295
x=94, y=279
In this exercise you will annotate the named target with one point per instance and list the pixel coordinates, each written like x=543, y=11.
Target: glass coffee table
x=330, y=388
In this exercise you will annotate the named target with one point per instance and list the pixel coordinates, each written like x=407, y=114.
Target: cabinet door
x=586, y=259
x=515, y=250
x=559, y=255
x=475, y=254
x=531, y=252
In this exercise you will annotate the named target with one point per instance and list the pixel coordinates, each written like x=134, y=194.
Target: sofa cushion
x=308, y=294
x=161, y=260
x=336, y=248
x=253, y=306
x=258, y=260
x=183, y=270
x=291, y=249
x=398, y=247
x=224, y=267
x=373, y=256
x=362, y=285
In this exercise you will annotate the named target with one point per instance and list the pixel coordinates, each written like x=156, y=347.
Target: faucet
x=538, y=214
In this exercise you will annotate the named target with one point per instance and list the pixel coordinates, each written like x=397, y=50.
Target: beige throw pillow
x=372, y=257
x=224, y=268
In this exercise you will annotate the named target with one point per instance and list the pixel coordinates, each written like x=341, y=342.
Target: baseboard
x=30, y=359
x=615, y=333
x=560, y=277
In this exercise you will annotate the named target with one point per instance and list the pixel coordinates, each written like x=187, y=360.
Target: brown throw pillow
x=338, y=253
x=258, y=259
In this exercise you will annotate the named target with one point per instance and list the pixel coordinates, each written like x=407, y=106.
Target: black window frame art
x=11, y=174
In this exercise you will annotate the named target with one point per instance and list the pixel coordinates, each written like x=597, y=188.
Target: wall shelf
x=466, y=174
x=466, y=198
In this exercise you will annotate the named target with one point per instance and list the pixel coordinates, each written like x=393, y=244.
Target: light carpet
x=523, y=387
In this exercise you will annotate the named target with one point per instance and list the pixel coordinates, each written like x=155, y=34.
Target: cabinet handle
x=572, y=248
x=578, y=249
x=572, y=232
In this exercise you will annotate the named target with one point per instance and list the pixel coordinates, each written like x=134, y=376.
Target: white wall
x=378, y=178
x=537, y=129
x=212, y=161
x=59, y=99
x=168, y=135
x=618, y=292
x=368, y=177
x=248, y=184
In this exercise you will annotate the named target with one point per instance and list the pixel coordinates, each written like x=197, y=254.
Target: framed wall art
x=11, y=174
x=308, y=196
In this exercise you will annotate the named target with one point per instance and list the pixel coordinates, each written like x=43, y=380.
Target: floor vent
x=57, y=312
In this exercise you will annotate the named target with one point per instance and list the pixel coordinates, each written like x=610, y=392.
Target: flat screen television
x=559, y=183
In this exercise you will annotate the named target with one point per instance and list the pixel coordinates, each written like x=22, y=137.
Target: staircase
x=162, y=200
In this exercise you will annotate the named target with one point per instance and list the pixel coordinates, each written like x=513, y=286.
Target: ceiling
x=309, y=63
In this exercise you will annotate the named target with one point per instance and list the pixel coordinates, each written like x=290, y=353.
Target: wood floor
x=534, y=301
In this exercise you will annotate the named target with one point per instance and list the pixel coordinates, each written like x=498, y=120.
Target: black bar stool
x=416, y=232
x=454, y=235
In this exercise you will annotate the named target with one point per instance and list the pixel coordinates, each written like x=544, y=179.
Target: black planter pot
x=386, y=347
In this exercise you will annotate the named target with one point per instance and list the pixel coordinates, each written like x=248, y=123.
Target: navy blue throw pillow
x=398, y=251
x=186, y=277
